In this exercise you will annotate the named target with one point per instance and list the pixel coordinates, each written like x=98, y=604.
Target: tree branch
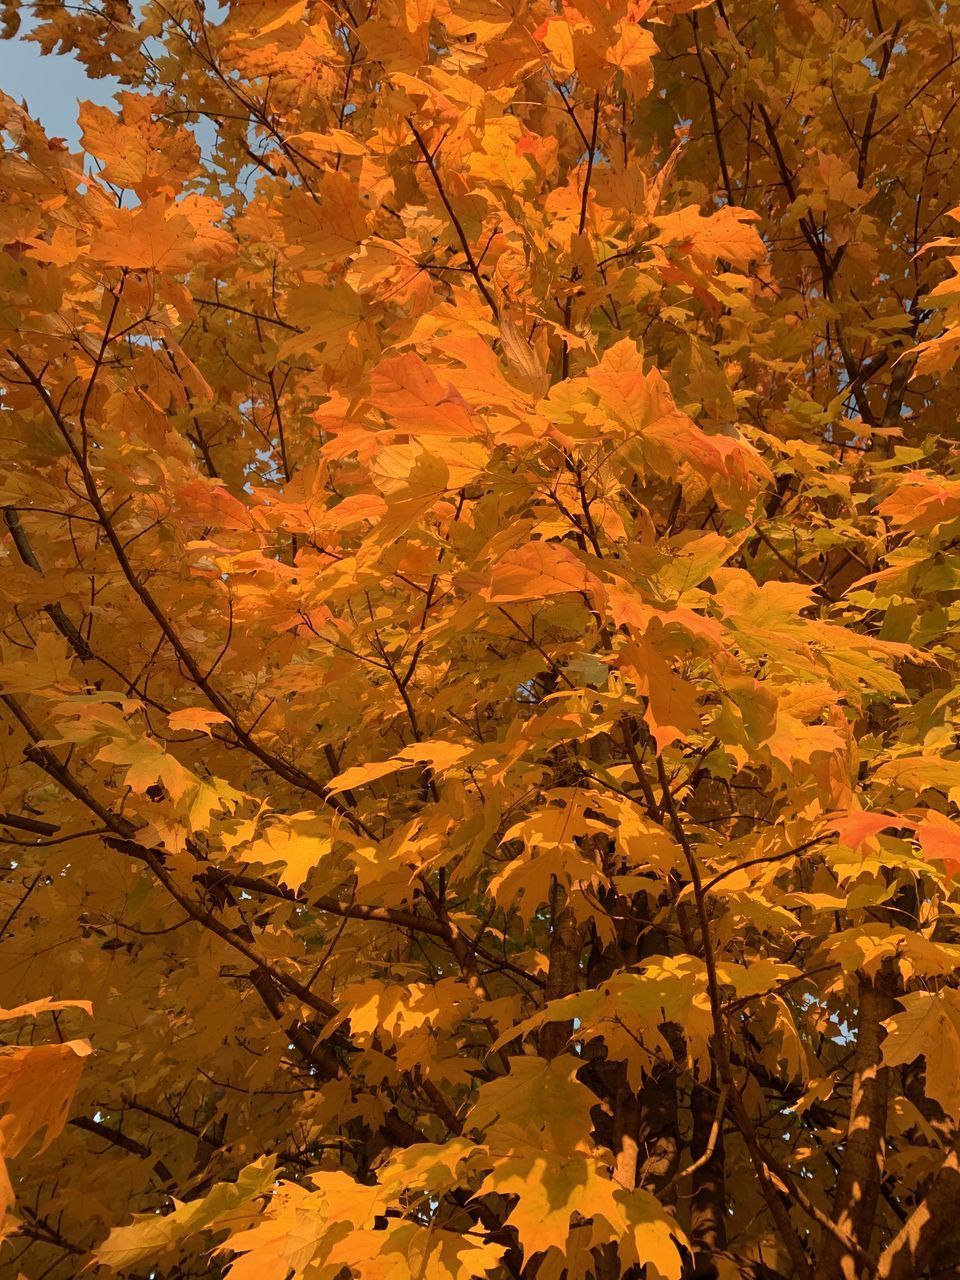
x=290, y=773
x=457, y=224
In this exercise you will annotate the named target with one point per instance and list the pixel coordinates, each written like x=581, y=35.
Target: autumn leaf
x=940, y=839
x=37, y=1084
x=543, y=1097
x=139, y=152
x=162, y=235
x=152, y=1236
x=928, y=1025
x=537, y=570
x=728, y=233
x=478, y=654
x=196, y=718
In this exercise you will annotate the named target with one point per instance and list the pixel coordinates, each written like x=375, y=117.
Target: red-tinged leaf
x=537, y=570
x=940, y=840
x=729, y=233
x=412, y=398
x=853, y=829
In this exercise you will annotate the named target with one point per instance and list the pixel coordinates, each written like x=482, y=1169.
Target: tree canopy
x=480, y=595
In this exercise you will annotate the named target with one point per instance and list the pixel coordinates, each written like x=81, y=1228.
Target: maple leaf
x=152, y=1236
x=728, y=233
x=139, y=151
x=940, y=838
x=430, y=1252
x=545, y=1097
x=854, y=828
x=162, y=235
x=554, y=1190
x=197, y=718
x=672, y=709
x=37, y=1087
x=537, y=570
x=44, y=1005
x=299, y=845
x=929, y=1025
x=478, y=654
x=37, y=1084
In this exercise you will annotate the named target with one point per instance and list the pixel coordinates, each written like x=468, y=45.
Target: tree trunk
x=562, y=979
x=861, y=1168
x=708, y=1222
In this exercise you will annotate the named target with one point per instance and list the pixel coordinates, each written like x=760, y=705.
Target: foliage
x=479, y=643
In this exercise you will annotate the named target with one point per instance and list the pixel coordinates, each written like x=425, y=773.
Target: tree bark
x=929, y=1241
x=658, y=1139
x=708, y=1221
x=861, y=1168
x=562, y=979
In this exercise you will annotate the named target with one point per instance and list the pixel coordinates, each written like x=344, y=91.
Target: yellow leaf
x=162, y=235
x=523, y=358
x=551, y=1189
x=298, y=849
x=152, y=1235
x=728, y=233
x=46, y=1005
x=335, y=141
x=361, y=775
x=37, y=1084
x=437, y=754
x=198, y=718
x=537, y=570
x=138, y=150
x=929, y=1027
x=409, y=1251
x=539, y=1096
